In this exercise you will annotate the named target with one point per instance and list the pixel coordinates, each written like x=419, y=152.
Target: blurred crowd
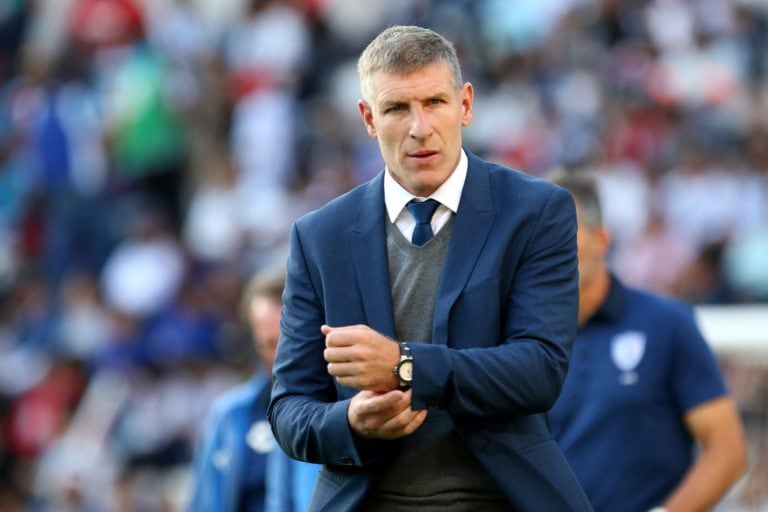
x=153, y=154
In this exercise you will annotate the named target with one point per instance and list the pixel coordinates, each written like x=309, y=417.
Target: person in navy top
x=642, y=390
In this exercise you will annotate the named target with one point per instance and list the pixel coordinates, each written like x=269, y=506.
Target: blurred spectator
x=182, y=331
x=98, y=24
x=32, y=316
x=14, y=16
x=701, y=282
x=144, y=134
x=83, y=325
x=238, y=464
x=265, y=54
x=76, y=468
x=57, y=165
x=267, y=48
x=154, y=432
x=40, y=414
x=124, y=351
x=145, y=270
x=744, y=265
x=354, y=22
x=654, y=258
x=625, y=194
x=706, y=201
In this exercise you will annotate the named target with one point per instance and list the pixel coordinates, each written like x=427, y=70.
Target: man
x=642, y=386
x=419, y=350
x=238, y=466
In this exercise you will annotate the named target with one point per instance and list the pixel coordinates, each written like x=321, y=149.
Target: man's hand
x=388, y=415
x=360, y=357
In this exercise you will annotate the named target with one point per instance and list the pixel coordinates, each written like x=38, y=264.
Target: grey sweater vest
x=431, y=469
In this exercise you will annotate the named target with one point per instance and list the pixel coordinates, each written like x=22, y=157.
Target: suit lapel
x=369, y=250
x=471, y=227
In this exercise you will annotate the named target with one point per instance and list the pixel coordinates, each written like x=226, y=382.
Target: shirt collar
x=614, y=302
x=449, y=193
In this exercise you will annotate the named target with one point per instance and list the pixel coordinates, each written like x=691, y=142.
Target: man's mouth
x=422, y=154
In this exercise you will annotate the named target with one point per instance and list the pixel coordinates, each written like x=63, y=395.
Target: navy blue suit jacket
x=504, y=322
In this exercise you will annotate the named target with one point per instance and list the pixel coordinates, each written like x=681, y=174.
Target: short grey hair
x=404, y=49
x=584, y=190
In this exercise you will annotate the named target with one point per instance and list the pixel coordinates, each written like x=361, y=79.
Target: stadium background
x=153, y=154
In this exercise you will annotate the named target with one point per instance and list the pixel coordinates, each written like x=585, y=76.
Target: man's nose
x=421, y=127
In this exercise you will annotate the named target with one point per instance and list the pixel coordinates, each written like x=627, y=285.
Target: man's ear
x=367, y=115
x=467, y=98
x=604, y=239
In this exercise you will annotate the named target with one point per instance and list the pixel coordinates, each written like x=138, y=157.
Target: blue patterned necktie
x=422, y=212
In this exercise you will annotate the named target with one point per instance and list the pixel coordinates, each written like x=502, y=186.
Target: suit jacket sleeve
x=308, y=417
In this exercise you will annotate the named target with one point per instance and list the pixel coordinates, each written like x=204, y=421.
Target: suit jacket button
x=347, y=461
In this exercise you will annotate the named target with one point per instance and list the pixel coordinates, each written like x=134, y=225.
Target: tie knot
x=422, y=211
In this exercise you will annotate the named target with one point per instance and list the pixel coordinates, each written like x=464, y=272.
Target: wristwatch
x=403, y=370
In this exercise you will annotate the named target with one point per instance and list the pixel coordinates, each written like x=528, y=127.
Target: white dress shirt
x=448, y=195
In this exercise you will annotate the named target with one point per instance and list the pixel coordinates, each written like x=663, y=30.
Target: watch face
x=405, y=370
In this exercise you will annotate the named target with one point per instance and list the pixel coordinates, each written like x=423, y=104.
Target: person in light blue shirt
x=238, y=466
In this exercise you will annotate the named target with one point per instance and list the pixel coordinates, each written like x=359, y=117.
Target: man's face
x=417, y=119
x=265, y=328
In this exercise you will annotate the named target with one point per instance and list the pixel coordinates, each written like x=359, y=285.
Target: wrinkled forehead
x=435, y=76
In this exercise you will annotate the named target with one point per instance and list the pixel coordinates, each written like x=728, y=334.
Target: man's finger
x=343, y=369
x=325, y=328
x=341, y=338
x=376, y=403
x=345, y=335
x=416, y=421
x=404, y=423
x=337, y=355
